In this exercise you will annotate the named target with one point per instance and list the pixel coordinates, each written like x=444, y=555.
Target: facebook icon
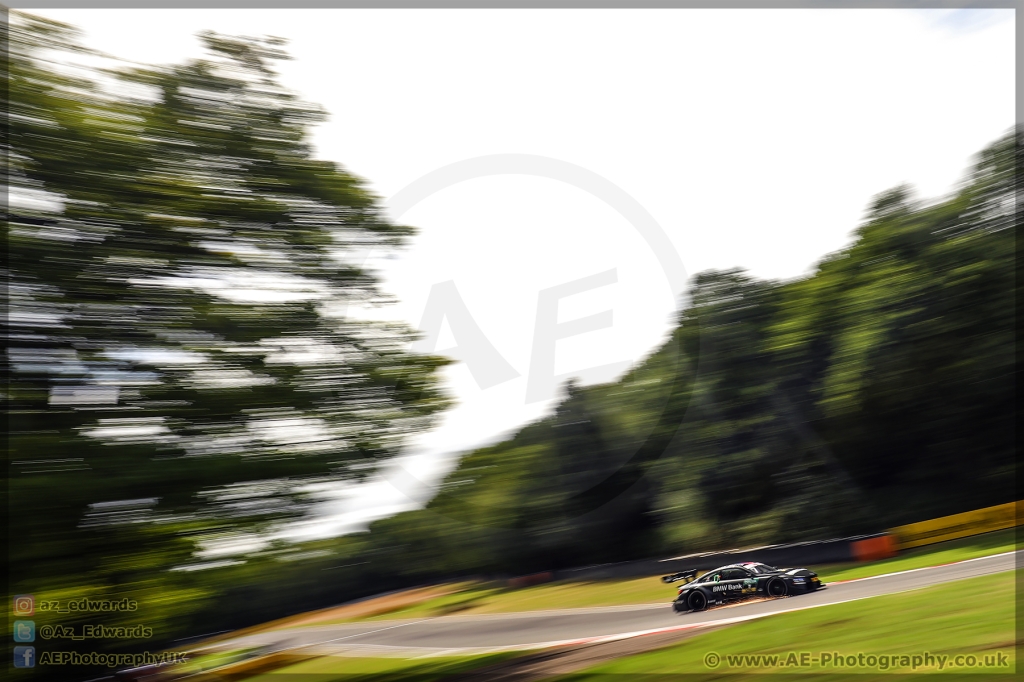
x=24, y=657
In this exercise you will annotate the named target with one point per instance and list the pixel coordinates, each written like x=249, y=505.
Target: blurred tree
x=185, y=349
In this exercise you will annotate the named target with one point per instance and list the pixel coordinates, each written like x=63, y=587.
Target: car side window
x=733, y=574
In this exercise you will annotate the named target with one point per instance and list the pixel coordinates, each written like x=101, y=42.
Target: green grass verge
x=558, y=595
x=964, y=618
x=648, y=590
x=358, y=669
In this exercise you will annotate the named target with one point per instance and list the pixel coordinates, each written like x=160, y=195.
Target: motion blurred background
x=201, y=358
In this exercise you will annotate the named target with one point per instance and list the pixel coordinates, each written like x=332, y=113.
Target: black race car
x=739, y=581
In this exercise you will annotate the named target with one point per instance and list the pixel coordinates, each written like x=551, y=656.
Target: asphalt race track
x=539, y=629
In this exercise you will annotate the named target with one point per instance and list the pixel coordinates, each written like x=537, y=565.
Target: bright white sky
x=755, y=138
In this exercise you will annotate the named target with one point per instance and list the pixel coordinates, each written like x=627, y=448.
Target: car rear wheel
x=776, y=588
x=697, y=601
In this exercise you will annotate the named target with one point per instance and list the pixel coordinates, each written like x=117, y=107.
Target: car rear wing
x=688, y=576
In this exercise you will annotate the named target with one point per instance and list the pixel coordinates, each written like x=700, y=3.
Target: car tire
x=776, y=587
x=697, y=601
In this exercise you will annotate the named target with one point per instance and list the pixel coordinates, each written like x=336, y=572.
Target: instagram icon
x=24, y=605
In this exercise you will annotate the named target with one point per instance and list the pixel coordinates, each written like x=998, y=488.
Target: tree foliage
x=185, y=350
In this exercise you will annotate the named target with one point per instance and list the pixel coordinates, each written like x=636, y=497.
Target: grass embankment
x=558, y=595
x=477, y=598
x=964, y=618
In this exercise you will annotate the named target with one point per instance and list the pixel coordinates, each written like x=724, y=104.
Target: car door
x=733, y=583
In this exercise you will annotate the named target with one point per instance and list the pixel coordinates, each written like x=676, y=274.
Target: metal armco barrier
x=533, y=579
x=835, y=551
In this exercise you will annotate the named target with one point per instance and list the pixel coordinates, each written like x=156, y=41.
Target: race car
x=739, y=581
